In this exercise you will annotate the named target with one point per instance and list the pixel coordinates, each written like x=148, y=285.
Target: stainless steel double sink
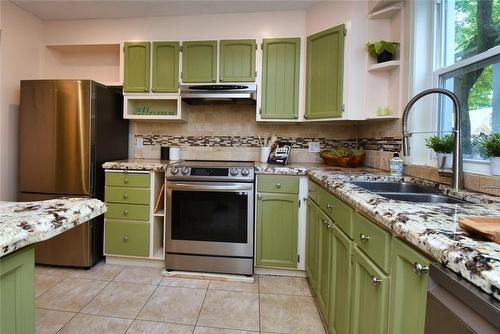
x=407, y=192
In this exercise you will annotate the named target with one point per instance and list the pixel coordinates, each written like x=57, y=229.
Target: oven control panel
x=207, y=172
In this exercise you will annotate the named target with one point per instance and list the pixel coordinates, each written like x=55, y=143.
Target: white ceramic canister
x=264, y=153
x=175, y=154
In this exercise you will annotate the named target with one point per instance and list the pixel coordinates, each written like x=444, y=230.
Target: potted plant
x=491, y=147
x=443, y=146
x=383, y=51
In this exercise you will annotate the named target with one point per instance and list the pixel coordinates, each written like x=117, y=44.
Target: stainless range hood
x=219, y=93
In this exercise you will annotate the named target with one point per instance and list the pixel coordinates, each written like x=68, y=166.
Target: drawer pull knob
x=364, y=237
x=329, y=206
x=420, y=269
x=278, y=185
x=125, y=239
x=376, y=281
x=125, y=196
x=125, y=212
x=311, y=190
x=125, y=180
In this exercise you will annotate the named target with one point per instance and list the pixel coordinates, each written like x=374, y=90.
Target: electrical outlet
x=314, y=146
x=139, y=142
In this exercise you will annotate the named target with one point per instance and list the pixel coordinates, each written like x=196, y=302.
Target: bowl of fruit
x=343, y=157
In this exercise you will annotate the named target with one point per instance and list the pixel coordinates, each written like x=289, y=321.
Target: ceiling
x=100, y=9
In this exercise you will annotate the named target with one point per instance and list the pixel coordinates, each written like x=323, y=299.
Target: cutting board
x=487, y=227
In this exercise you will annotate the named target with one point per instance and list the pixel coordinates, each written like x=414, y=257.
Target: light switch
x=314, y=146
x=139, y=142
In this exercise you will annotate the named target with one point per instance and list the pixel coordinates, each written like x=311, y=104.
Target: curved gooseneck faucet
x=457, y=181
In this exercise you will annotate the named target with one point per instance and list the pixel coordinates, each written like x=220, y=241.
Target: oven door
x=210, y=218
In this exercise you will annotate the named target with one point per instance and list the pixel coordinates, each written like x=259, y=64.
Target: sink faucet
x=457, y=181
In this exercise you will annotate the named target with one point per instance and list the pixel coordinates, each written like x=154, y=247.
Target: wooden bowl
x=352, y=161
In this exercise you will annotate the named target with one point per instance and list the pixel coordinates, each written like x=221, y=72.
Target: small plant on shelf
x=491, y=147
x=382, y=50
x=443, y=146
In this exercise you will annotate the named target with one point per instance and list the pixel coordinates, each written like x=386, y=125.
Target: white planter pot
x=495, y=166
x=449, y=160
x=264, y=153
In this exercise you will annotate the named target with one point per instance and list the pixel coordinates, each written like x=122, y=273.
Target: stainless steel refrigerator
x=67, y=129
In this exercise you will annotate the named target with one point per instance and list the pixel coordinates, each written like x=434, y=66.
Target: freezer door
x=55, y=137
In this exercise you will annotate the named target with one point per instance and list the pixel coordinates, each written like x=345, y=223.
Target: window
x=468, y=64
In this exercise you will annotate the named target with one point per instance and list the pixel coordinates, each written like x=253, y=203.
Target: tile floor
x=123, y=299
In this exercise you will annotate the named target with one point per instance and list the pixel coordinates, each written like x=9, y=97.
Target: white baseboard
x=128, y=261
x=211, y=276
x=280, y=272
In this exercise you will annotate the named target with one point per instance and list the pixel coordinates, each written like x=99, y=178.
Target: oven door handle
x=211, y=186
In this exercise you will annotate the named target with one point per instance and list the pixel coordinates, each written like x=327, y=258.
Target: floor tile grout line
x=84, y=307
x=201, y=307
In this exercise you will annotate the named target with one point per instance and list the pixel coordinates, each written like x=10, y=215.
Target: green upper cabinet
x=17, y=292
x=277, y=230
x=237, y=60
x=136, y=69
x=280, y=78
x=165, y=67
x=369, y=296
x=312, y=242
x=408, y=289
x=325, y=67
x=340, y=282
x=199, y=61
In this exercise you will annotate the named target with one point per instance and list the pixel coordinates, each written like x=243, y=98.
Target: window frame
x=440, y=70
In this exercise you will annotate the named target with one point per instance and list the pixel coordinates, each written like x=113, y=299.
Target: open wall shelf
x=153, y=107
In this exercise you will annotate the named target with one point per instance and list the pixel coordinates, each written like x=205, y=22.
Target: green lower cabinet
x=312, y=243
x=369, y=296
x=127, y=211
x=409, y=281
x=127, y=195
x=324, y=262
x=280, y=78
x=277, y=230
x=340, y=286
x=17, y=292
x=126, y=238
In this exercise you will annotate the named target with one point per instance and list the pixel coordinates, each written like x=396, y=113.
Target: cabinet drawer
x=126, y=238
x=313, y=191
x=127, y=211
x=338, y=211
x=278, y=184
x=373, y=240
x=127, y=179
x=127, y=195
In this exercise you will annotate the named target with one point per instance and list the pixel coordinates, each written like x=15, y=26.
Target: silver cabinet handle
x=278, y=185
x=420, y=269
x=125, y=239
x=329, y=206
x=376, y=281
x=364, y=237
x=125, y=212
x=125, y=180
x=125, y=196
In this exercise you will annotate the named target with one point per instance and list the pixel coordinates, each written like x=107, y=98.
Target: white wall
x=20, y=52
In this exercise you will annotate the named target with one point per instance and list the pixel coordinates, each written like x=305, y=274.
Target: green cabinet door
x=277, y=230
x=280, y=78
x=312, y=243
x=340, y=282
x=408, y=289
x=165, y=67
x=199, y=61
x=237, y=60
x=17, y=292
x=136, y=76
x=369, y=296
x=325, y=68
x=324, y=262
x=126, y=238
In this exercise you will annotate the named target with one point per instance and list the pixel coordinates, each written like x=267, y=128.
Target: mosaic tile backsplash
x=387, y=144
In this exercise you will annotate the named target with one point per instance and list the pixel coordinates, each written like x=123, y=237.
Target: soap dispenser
x=396, y=165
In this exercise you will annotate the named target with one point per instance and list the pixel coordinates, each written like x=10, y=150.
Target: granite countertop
x=25, y=223
x=138, y=164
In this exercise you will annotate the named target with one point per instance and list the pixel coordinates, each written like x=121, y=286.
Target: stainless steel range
x=211, y=213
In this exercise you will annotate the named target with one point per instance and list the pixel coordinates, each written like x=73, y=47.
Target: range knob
x=233, y=171
x=174, y=170
x=185, y=170
x=245, y=172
